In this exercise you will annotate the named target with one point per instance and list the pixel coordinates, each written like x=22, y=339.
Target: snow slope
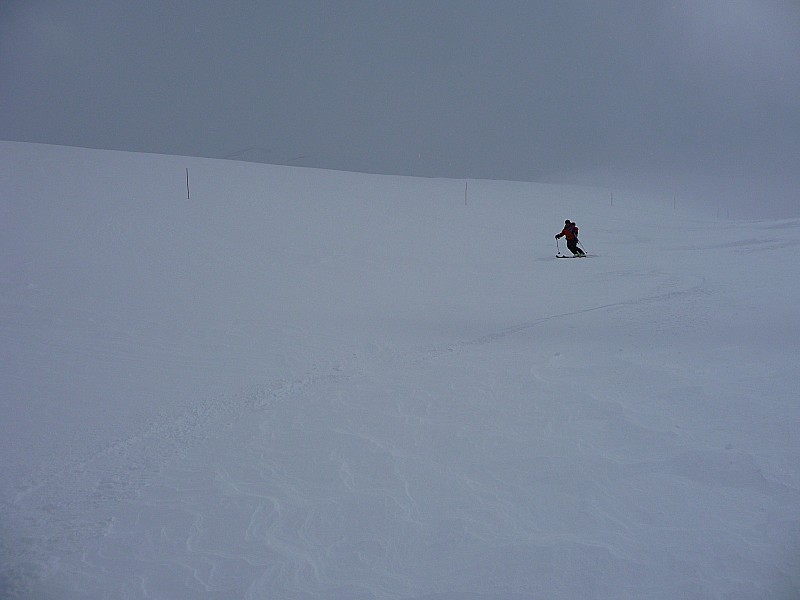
x=306, y=384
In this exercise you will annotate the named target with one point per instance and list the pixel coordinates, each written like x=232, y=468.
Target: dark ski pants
x=573, y=247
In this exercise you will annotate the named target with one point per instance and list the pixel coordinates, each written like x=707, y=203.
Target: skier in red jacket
x=570, y=232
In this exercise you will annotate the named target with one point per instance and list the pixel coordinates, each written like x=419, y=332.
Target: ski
x=579, y=256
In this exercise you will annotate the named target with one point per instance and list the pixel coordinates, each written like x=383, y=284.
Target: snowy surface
x=304, y=384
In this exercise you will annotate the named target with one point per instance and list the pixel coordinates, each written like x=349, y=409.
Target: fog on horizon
x=695, y=99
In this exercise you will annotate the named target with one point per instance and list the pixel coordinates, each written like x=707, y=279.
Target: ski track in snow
x=62, y=501
x=498, y=335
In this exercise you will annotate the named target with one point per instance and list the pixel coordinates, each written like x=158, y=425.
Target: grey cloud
x=600, y=91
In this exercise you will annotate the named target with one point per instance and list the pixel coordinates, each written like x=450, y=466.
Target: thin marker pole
x=187, y=184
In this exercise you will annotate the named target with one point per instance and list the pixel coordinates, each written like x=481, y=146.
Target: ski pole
x=558, y=248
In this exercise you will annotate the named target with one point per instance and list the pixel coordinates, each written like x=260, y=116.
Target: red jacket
x=570, y=232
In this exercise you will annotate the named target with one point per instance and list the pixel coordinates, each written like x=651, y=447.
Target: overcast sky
x=701, y=96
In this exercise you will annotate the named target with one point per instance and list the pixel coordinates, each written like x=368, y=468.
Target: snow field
x=309, y=384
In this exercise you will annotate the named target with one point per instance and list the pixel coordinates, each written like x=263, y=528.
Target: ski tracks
x=61, y=513
x=674, y=291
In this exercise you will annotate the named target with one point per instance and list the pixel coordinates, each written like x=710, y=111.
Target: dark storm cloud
x=684, y=93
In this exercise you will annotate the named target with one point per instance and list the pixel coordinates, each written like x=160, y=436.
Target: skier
x=570, y=232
